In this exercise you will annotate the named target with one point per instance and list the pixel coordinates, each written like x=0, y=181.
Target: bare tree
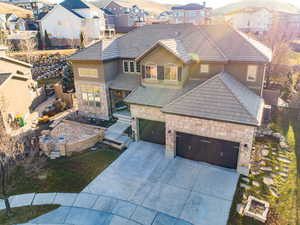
x=28, y=44
x=10, y=150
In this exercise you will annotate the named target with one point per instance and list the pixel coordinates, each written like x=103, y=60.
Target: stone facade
x=242, y=134
x=102, y=112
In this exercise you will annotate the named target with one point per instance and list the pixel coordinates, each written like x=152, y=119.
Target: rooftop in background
x=190, y=6
x=273, y=5
x=18, y=11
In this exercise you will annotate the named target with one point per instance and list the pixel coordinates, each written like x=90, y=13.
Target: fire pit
x=257, y=209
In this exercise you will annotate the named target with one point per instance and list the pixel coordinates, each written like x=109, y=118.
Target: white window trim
x=207, y=67
x=171, y=64
x=151, y=64
x=134, y=63
x=252, y=74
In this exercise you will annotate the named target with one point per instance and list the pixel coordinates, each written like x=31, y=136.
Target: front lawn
x=24, y=214
x=285, y=207
x=63, y=175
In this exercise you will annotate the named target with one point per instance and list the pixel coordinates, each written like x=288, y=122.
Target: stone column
x=135, y=128
x=170, y=143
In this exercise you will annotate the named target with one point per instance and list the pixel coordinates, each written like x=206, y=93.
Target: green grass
x=24, y=214
x=63, y=175
x=285, y=209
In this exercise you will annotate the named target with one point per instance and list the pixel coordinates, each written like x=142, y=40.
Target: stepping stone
x=268, y=181
x=44, y=198
x=22, y=200
x=285, y=169
x=265, y=152
x=285, y=160
x=266, y=158
x=245, y=179
x=283, y=144
x=274, y=149
x=283, y=174
x=274, y=153
x=85, y=200
x=65, y=199
x=276, y=167
x=274, y=192
x=246, y=186
x=264, y=168
x=255, y=173
x=255, y=183
x=262, y=163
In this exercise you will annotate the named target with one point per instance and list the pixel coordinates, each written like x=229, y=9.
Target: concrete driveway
x=187, y=190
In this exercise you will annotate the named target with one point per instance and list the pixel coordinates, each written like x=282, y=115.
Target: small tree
x=47, y=40
x=68, y=78
x=10, y=150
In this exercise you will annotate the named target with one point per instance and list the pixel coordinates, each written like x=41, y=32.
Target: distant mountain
x=148, y=5
x=18, y=11
x=275, y=5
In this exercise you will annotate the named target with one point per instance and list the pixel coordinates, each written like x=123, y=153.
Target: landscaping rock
x=255, y=172
x=245, y=179
x=265, y=152
x=268, y=181
x=285, y=169
x=283, y=174
x=246, y=186
x=276, y=135
x=255, y=183
x=283, y=144
x=265, y=168
x=93, y=149
x=262, y=163
x=274, y=192
x=266, y=158
x=285, y=160
x=240, y=208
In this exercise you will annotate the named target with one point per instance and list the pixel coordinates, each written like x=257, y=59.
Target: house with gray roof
x=183, y=86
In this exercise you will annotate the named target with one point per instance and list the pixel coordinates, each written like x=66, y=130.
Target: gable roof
x=220, y=98
x=74, y=4
x=173, y=46
x=191, y=6
x=4, y=77
x=202, y=43
x=6, y=58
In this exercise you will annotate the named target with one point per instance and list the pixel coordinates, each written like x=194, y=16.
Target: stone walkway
x=78, y=209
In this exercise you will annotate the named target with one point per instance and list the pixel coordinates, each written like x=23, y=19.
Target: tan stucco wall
x=89, y=65
x=11, y=67
x=147, y=112
x=242, y=134
x=17, y=96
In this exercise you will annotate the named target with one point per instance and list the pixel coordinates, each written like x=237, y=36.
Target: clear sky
x=211, y=3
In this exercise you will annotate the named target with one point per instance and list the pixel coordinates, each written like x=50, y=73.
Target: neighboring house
x=191, y=13
x=18, y=91
x=187, y=87
x=67, y=20
x=254, y=20
x=12, y=23
x=126, y=15
x=290, y=23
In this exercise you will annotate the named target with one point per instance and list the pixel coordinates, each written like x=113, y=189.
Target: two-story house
x=191, y=13
x=188, y=87
x=67, y=20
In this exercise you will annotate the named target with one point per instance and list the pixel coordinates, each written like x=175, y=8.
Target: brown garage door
x=213, y=151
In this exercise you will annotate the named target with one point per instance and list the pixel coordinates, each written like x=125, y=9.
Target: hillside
x=148, y=5
x=18, y=11
x=275, y=5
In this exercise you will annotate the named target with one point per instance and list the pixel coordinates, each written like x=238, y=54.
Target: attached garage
x=214, y=151
x=152, y=131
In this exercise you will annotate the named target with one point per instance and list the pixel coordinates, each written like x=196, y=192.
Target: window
x=171, y=72
x=132, y=66
x=204, y=68
x=138, y=67
x=125, y=66
x=251, y=73
x=90, y=96
x=151, y=71
x=88, y=72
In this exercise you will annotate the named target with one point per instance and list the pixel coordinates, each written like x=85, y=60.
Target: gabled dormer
x=165, y=64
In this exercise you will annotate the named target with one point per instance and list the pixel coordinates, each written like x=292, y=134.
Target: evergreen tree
x=39, y=40
x=47, y=40
x=81, y=40
x=68, y=79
